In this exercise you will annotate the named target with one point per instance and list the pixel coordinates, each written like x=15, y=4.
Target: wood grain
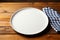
x=6, y=11
x=19, y=37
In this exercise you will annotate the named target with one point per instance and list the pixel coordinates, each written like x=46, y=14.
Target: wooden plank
x=4, y=23
x=5, y=15
x=6, y=30
x=40, y=5
x=11, y=7
x=54, y=5
x=19, y=37
x=5, y=19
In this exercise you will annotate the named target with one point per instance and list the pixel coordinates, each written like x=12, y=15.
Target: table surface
x=6, y=11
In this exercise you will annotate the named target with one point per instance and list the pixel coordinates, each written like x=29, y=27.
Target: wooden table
x=6, y=11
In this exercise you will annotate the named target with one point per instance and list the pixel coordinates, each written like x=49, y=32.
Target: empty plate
x=29, y=21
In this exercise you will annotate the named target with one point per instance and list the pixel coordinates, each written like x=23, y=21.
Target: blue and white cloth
x=54, y=18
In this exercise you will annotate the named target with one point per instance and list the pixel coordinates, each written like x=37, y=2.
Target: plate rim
x=23, y=9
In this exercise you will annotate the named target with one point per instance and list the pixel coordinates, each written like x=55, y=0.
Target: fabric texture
x=54, y=18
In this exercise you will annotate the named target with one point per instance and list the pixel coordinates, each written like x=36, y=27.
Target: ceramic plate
x=29, y=21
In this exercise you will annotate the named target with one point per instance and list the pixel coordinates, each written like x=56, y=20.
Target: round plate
x=29, y=21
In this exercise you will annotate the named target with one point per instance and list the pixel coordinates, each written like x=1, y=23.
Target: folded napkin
x=54, y=18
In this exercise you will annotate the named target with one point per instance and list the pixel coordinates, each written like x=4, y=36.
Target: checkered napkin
x=54, y=18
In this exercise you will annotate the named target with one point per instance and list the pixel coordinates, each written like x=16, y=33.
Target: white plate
x=29, y=21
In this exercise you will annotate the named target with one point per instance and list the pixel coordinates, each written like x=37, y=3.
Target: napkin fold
x=54, y=18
